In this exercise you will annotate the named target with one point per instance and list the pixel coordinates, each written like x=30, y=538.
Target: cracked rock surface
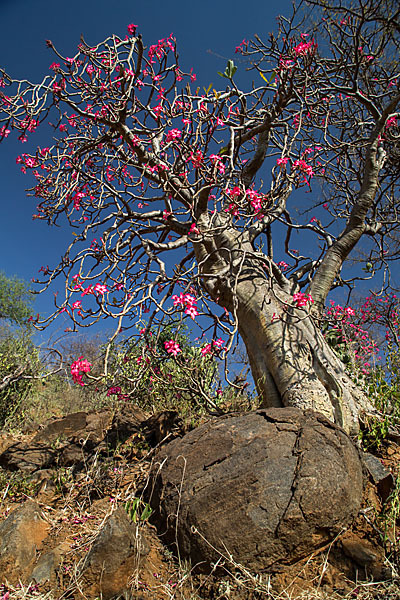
x=266, y=488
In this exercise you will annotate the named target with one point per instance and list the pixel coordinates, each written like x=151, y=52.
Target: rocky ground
x=75, y=523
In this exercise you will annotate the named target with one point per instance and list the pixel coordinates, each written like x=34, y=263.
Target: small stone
x=379, y=475
x=357, y=550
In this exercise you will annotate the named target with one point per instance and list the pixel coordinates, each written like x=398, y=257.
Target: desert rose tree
x=238, y=205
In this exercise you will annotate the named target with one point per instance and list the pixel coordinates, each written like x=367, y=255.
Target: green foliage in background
x=15, y=300
x=19, y=366
x=383, y=387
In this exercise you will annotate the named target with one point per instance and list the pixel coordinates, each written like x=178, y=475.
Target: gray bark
x=291, y=363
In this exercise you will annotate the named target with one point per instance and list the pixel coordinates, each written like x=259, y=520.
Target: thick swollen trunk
x=292, y=365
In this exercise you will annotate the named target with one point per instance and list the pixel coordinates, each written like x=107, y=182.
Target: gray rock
x=379, y=475
x=45, y=568
x=358, y=551
x=267, y=488
x=116, y=554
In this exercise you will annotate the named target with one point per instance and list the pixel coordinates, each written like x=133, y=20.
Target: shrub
x=19, y=366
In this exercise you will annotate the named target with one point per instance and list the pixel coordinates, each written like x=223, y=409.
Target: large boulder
x=265, y=488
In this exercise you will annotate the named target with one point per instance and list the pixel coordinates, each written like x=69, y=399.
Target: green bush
x=19, y=366
x=15, y=300
x=145, y=373
x=383, y=387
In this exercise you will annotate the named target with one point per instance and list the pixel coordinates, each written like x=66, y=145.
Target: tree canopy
x=15, y=300
x=239, y=205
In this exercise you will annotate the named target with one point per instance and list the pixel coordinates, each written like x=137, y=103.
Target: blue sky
x=207, y=34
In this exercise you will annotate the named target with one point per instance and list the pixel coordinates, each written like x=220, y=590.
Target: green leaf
x=146, y=512
x=270, y=80
x=230, y=70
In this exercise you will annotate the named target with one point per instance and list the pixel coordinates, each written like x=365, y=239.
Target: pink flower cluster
x=302, y=299
x=303, y=166
x=207, y=349
x=282, y=265
x=282, y=161
x=187, y=301
x=173, y=134
x=385, y=312
x=194, y=229
x=304, y=48
x=255, y=199
x=391, y=122
x=217, y=160
x=132, y=29
x=196, y=159
x=344, y=320
x=239, y=48
x=172, y=347
x=114, y=391
x=4, y=132
x=162, y=47
x=78, y=367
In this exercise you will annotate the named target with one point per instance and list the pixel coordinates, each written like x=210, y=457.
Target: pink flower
x=132, y=29
x=193, y=229
x=77, y=304
x=206, y=350
x=235, y=192
x=86, y=291
x=112, y=391
x=191, y=311
x=303, y=48
x=282, y=161
x=196, y=159
x=239, y=48
x=157, y=110
x=184, y=300
x=302, y=299
x=172, y=347
x=303, y=166
x=282, y=265
x=233, y=209
x=4, y=132
x=255, y=199
x=173, y=134
x=100, y=288
x=80, y=366
x=391, y=122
